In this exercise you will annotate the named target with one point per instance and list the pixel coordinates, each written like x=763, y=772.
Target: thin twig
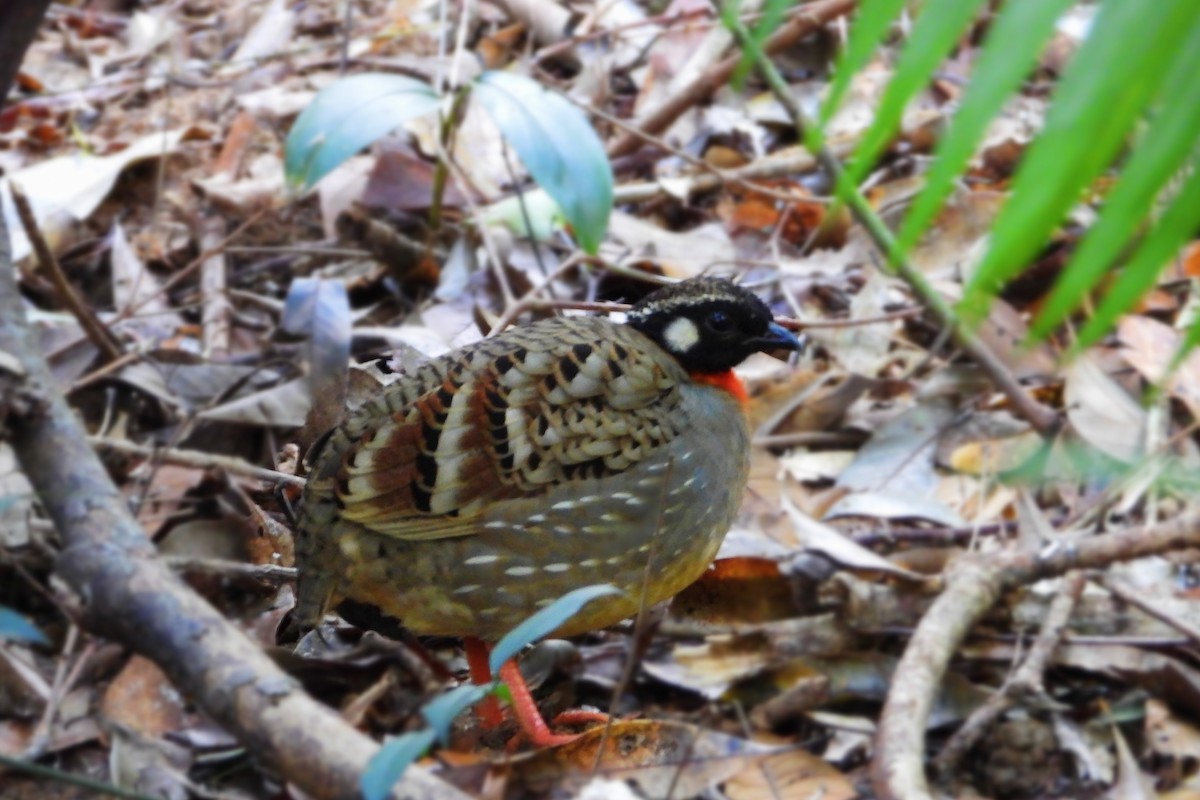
x=493, y=252
x=531, y=297
x=193, y=265
x=100, y=373
x=806, y=324
x=20, y=765
x=774, y=165
x=724, y=176
x=663, y=21
x=217, y=310
x=1119, y=590
x=195, y=458
x=96, y=330
x=639, y=620
x=522, y=203
x=271, y=574
x=41, y=736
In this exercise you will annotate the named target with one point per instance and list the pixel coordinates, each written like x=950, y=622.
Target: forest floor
x=149, y=140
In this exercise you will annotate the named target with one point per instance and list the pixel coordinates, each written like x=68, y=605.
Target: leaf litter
x=140, y=130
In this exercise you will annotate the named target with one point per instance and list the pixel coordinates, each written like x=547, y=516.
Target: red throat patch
x=726, y=380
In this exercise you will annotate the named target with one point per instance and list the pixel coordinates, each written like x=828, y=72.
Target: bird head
x=710, y=325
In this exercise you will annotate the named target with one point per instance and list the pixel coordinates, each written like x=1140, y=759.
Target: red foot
x=526, y=711
x=533, y=727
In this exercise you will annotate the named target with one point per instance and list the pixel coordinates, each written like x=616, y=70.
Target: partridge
x=574, y=451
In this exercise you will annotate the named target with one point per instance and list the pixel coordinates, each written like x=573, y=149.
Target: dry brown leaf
x=830, y=542
x=1102, y=413
x=680, y=255
x=712, y=667
x=743, y=590
x=665, y=758
x=142, y=699
x=1150, y=346
x=69, y=188
x=796, y=773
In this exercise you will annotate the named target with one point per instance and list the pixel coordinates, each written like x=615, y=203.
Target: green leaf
x=16, y=628
x=348, y=115
x=546, y=621
x=387, y=765
x=939, y=27
x=535, y=209
x=1170, y=138
x=1009, y=53
x=557, y=144
x=1105, y=88
x=441, y=712
x=870, y=26
x=1178, y=224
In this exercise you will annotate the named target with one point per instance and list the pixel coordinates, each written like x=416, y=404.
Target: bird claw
x=578, y=716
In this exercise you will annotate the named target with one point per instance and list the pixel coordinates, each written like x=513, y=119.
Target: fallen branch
x=125, y=593
x=973, y=585
x=1024, y=685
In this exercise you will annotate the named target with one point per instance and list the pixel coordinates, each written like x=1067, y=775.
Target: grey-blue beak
x=778, y=337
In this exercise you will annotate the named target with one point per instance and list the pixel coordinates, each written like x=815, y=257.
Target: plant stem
x=21, y=765
x=442, y=171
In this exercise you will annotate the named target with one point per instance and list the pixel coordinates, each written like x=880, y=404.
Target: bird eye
x=719, y=321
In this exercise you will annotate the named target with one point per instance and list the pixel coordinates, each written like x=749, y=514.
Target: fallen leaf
x=1103, y=413
x=664, y=758
x=829, y=542
x=72, y=186
x=1150, y=346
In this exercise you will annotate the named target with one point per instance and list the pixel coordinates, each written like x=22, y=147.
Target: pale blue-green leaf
x=870, y=26
x=1013, y=42
x=1173, y=132
x=388, y=765
x=532, y=214
x=557, y=144
x=938, y=28
x=348, y=115
x=441, y=712
x=15, y=627
x=1106, y=87
x=546, y=621
x=1178, y=224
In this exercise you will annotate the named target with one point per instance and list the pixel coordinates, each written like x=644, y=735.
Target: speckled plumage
x=495, y=479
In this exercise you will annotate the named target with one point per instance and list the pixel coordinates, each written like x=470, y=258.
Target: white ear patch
x=681, y=335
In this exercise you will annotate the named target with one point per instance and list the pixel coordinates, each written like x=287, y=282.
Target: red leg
x=526, y=710
x=488, y=709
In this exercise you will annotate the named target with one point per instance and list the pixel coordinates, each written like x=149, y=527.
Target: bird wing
x=511, y=417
